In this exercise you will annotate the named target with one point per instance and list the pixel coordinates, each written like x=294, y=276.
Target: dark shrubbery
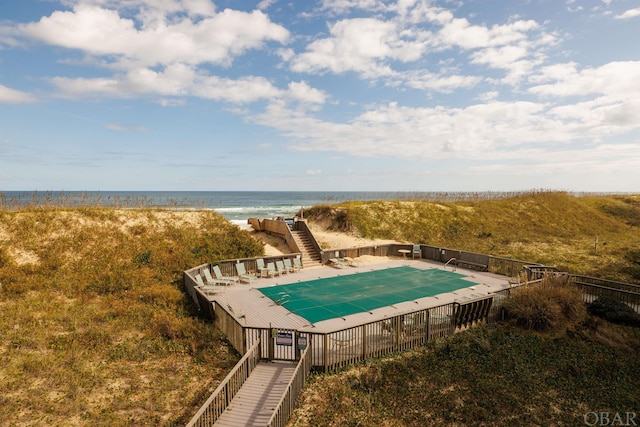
x=546, y=306
x=614, y=311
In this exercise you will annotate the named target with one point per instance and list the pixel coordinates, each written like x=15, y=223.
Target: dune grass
x=549, y=364
x=552, y=228
x=96, y=327
x=485, y=376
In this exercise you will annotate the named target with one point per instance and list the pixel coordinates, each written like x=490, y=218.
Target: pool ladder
x=453, y=268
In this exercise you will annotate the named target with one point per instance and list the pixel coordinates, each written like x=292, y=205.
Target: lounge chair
x=242, y=273
x=288, y=265
x=297, y=264
x=262, y=269
x=352, y=262
x=338, y=263
x=215, y=282
x=207, y=289
x=281, y=268
x=219, y=276
x=417, y=250
x=271, y=270
x=238, y=314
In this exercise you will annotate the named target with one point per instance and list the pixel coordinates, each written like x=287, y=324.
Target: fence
x=228, y=388
x=285, y=406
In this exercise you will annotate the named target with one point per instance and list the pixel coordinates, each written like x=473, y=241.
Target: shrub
x=546, y=306
x=614, y=311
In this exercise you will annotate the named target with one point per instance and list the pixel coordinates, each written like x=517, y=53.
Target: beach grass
x=96, y=327
x=593, y=235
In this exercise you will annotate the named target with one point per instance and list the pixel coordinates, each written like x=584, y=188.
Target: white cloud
x=301, y=91
x=440, y=83
x=101, y=32
x=628, y=14
x=363, y=45
x=314, y=172
x=13, y=96
x=618, y=79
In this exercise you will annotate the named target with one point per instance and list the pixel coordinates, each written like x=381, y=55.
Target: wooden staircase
x=309, y=255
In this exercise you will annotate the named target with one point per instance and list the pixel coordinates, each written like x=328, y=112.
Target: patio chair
x=352, y=262
x=417, y=250
x=262, y=269
x=280, y=267
x=242, y=273
x=219, y=276
x=207, y=289
x=215, y=282
x=338, y=263
x=289, y=266
x=297, y=264
x=238, y=314
x=271, y=270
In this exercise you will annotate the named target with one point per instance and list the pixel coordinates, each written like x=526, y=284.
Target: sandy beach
x=275, y=245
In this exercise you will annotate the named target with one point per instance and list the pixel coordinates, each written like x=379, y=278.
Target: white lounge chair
x=262, y=269
x=281, y=268
x=219, y=276
x=242, y=273
x=297, y=264
x=288, y=265
x=338, y=263
x=215, y=282
x=271, y=270
x=208, y=289
x=238, y=313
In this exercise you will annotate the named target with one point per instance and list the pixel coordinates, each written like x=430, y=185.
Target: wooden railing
x=228, y=388
x=285, y=406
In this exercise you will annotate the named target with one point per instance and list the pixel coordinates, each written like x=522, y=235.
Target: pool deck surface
x=261, y=312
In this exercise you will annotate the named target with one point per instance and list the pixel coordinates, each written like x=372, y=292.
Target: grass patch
x=498, y=376
x=96, y=327
x=549, y=305
x=552, y=228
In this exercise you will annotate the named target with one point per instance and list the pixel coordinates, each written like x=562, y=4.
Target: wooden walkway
x=259, y=395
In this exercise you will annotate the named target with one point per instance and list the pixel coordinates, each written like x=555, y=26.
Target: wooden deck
x=260, y=394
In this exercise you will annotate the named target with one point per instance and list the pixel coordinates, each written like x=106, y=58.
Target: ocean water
x=236, y=206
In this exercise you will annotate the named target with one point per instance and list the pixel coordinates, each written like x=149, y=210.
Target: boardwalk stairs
x=309, y=255
x=259, y=396
x=257, y=392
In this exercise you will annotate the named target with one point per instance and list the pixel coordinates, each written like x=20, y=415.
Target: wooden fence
x=285, y=407
x=228, y=388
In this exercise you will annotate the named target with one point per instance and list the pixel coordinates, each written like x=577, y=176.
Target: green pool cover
x=324, y=299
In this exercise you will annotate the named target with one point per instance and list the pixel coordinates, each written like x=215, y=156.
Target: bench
x=471, y=264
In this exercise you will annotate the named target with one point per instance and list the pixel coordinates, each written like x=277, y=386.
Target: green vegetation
x=506, y=374
x=614, y=311
x=485, y=376
x=551, y=305
x=551, y=228
x=96, y=327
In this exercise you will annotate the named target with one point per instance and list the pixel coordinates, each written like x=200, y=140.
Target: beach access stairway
x=259, y=396
x=310, y=255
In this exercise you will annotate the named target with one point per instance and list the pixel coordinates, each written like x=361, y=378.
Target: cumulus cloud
x=628, y=14
x=104, y=32
x=361, y=45
x=13, y=96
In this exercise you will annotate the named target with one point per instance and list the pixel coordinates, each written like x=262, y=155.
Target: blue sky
x=413, y=95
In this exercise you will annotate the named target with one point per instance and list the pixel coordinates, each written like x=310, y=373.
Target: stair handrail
x=224, y=393
x=302, y=225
